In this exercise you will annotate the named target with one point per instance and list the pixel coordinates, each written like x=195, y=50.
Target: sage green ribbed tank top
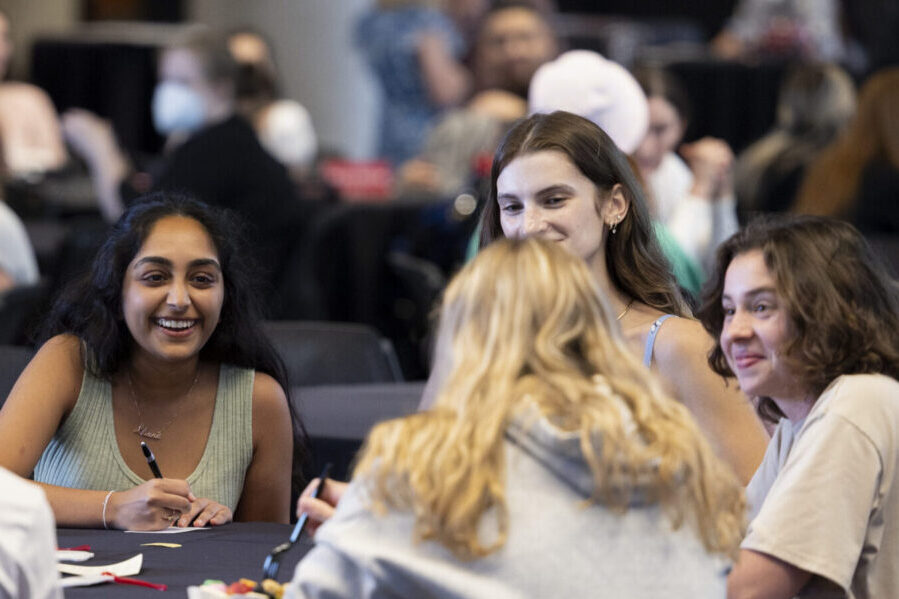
x=83, y=453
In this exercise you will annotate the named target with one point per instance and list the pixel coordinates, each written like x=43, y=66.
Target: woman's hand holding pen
x=202, y=511
x=152, y=505
x=321, y=508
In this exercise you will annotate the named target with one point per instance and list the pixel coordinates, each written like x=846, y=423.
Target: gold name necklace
x=142, y=430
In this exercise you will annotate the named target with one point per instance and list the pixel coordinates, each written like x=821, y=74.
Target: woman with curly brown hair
x=550, y=460
x=806, y=318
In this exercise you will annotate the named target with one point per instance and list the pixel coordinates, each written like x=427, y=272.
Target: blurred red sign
x=368, y=181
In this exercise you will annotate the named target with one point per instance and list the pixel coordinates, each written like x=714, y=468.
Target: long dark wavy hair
x=843, y=307
x=634, y=260
x=90, y=307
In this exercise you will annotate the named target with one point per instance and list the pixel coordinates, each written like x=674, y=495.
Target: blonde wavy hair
x=524, y=324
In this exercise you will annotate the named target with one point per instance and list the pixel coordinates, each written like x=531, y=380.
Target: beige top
x=84, y=453
x=827, y=494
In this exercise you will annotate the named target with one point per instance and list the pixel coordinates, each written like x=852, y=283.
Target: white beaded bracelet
x=105, y=503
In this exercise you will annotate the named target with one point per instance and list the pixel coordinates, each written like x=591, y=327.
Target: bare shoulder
x=272, y=422
x=269, y=397
x=62, y=356
x=54, y=374
x=40, y=401
x=682, y=344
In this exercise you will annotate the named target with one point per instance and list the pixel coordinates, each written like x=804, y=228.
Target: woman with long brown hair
x=558, y=176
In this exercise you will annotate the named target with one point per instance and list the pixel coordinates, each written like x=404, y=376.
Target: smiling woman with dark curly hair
x=159, y=343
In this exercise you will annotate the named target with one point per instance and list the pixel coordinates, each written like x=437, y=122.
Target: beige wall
x=318, y=64
x=32, y=17
x=313, y=47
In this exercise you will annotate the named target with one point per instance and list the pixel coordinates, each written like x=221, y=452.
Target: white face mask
x=176, y=107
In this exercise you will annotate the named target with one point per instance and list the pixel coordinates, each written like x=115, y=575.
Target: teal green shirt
x=687, y=272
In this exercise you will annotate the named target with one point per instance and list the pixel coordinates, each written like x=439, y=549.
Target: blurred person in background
x=694, y=199
x=212, y=152
x=30, y=144
x=803, y=29
x=31, y=141
x=815, y=104
x=857, y=176
x=18, y=264
x=284, y=126
x=514, y=38
x=415, y=52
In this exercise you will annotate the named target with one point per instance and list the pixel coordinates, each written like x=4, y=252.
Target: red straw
x=136, y=582
x=78, y=548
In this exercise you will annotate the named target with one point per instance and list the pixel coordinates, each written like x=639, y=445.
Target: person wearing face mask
x=210, y=151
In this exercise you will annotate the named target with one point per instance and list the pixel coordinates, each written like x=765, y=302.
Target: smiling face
x=173, y=290
x=544, y=194
x=756, y=329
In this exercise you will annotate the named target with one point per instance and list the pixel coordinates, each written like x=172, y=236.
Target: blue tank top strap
x=651, y=340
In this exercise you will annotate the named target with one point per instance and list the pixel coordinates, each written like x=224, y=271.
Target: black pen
x=301, y=523
x=151, y=460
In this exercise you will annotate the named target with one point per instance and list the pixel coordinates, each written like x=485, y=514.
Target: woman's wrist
x=107, y=512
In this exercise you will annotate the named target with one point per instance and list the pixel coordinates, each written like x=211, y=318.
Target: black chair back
x=339, y=417
x=19, y=306
x=887, y=248
x=331, y=353
x=13, y=360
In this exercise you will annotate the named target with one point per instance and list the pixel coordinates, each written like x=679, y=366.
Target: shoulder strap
x=651, y=340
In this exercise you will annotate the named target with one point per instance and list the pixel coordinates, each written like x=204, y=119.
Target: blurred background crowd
x=356, y=137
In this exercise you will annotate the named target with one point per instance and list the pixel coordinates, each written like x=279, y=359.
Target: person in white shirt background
x=694, y=199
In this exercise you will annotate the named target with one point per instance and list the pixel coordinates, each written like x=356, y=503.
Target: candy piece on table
x=273, y=588
x=216, y=589
x=238, y=588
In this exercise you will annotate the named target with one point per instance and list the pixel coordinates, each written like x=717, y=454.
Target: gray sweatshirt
x=558, y=546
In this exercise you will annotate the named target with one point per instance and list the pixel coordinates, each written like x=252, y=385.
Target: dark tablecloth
x=226, y=553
